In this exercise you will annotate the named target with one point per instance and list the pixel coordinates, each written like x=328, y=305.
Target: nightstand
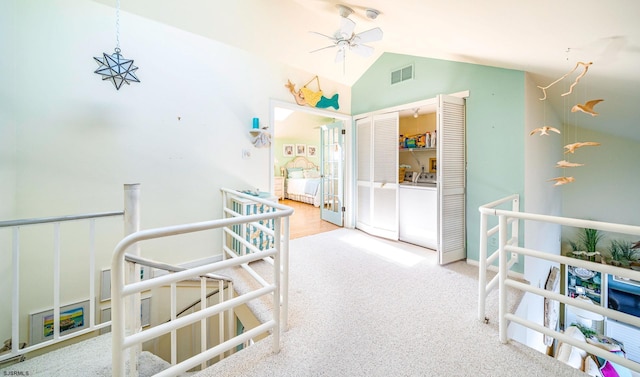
x=278, y=187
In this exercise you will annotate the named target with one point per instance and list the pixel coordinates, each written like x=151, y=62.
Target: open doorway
x=300, y=164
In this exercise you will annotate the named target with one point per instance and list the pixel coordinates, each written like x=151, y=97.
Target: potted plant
x=587, y=244
x=623, y=253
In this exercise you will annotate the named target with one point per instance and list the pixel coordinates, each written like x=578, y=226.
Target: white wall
x=179, y=133
x=609, y=179
x=8, y=130
x=542, y=197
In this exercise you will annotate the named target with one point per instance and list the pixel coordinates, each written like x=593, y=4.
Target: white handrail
x=484, y=262
x=16, y=226
x=505, y=249
x=122, y=341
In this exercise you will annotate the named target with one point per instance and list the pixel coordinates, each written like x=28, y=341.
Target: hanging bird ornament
x=544, y=130
x=562, y=180
x=587, y=107
x=115, y=67
x=570, y=148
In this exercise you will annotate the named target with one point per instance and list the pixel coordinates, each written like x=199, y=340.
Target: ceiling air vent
x=402, y=74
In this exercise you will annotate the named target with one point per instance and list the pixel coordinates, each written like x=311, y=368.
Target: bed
x=302, y=181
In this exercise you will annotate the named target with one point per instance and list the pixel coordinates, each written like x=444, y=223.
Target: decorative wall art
x=301, y=149
x=74, y=317
x=312, y=151
x=586, y=108
x=287, y=150
x=306, y=96
x=433, y=165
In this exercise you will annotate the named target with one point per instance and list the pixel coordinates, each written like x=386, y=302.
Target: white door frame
x=349, y=217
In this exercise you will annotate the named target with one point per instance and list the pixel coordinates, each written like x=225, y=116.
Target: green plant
x=590, y=239
x=622, y=252
x=574, y=246
x=586, y=331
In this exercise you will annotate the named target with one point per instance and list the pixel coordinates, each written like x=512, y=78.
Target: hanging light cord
x=117, y=49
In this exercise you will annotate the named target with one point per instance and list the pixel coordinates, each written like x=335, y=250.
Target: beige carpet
x=363, y=306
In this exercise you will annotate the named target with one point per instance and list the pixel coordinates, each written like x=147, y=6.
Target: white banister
x=132, y=307
x=122, y=290
x=19, y=347
x=508, y=247
x=56, y=281
x=15, y=294
x=485, y=260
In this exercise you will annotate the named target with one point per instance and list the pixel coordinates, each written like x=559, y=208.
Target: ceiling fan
x=345, y=39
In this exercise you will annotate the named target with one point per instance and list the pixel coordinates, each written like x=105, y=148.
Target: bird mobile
x=587, y=107
x=562, y=180
x=544, y=130
x=567, y=164
x=309, y=97
x=570, y=148
x=575, y=82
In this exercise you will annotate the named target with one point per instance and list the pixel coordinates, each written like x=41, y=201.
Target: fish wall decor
x=309, y=97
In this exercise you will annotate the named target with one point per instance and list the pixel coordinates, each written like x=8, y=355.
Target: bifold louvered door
x=377, y=183
x=451, y=166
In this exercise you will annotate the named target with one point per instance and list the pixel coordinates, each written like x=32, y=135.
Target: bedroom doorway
x=298, y=128
x=332, y=172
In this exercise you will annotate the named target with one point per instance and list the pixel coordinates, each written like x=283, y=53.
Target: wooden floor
x=306, y=220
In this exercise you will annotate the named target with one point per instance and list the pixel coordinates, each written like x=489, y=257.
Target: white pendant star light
x=115, y=67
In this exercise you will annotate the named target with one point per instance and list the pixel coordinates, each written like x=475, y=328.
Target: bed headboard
x=301, y=162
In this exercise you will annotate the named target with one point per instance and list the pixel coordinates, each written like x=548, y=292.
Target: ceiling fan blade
x=367, y=36
x=346, y=28
x=322, y=35
x=322, y=48
x=362, y=50
x=340, y=55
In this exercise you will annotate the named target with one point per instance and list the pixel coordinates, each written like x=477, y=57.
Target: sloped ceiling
x=544, y=37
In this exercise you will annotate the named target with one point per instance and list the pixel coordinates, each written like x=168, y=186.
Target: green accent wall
x=495, y=121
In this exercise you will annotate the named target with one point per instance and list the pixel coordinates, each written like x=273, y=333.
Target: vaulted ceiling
x=544, y=37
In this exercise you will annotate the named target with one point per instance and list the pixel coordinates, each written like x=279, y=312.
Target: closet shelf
x=417, y=149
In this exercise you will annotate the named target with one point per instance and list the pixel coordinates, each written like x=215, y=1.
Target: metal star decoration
x=116, y=68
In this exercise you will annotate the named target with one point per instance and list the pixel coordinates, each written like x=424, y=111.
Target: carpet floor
x=364, y=306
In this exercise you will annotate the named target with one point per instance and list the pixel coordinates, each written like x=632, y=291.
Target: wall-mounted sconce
x=261, y=138
x=415, y=112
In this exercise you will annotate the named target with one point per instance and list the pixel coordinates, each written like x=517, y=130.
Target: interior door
x=451, y=165
x=332, y=173
x=377, y=183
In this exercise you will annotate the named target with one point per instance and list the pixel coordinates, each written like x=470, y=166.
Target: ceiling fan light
x=372, y=14
x=344, y=10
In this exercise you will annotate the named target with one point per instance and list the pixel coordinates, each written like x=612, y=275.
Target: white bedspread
x=298, y=187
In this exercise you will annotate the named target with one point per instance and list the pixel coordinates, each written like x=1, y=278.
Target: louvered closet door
x=451, y=179
x=364, y=137
x=378, y=175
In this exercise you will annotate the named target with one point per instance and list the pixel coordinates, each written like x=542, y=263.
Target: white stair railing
x=123, y=340
x=484, y=261
x=16, y=226
x=507, y=249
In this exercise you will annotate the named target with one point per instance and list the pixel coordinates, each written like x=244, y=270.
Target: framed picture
x=433, y=165
x=74, y=317
x=105, y=285
x=312, y=151
x=301, y=149
x=287, y=150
